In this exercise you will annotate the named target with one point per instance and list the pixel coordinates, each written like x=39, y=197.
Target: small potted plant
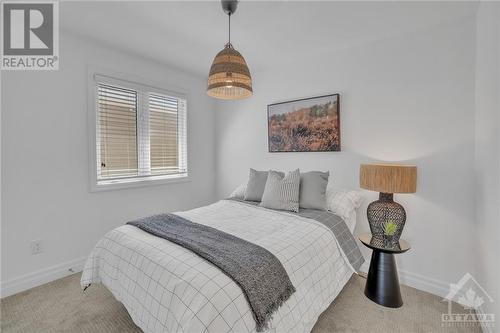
x=390, y=228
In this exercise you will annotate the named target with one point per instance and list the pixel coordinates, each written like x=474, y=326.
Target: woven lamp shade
x=388, y=178
x=229, y=76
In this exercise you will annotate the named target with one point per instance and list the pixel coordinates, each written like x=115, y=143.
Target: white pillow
x=351, y=221
x=344, y=204
x=239, y=192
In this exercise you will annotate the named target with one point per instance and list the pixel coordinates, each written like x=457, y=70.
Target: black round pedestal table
x=382, y=283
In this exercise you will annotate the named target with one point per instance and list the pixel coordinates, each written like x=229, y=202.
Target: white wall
x=45, y=189
x=487, y=148
x=408, y=99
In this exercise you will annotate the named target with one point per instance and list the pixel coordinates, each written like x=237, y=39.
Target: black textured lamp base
x=382, y=211
x=382, y=283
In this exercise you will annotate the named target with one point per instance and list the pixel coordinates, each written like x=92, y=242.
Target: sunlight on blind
x=165, y=134
x=117, y=128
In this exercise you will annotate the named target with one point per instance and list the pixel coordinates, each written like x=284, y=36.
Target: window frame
x=98, y=75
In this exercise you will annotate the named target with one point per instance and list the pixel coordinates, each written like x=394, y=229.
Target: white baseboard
x=420, y=282
x=40, y=277
x=424, y=283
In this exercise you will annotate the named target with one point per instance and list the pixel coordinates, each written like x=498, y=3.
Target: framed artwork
x=304, y=125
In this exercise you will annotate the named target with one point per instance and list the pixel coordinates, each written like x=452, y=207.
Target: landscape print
x=306, y=125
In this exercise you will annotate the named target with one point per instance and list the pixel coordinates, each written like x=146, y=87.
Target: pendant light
x=229, y=76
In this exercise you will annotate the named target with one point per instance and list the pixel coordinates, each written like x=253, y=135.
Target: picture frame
x=304, y=125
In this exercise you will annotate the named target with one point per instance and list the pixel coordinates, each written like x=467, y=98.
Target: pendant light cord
x=229, y=29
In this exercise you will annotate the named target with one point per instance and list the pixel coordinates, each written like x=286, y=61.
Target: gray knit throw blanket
x=257, y=271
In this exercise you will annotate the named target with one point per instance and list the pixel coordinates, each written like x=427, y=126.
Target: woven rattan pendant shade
x=229, y=76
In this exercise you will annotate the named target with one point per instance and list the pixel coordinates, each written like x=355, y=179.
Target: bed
x=167, y=288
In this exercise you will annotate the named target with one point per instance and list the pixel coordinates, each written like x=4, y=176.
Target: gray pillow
x=313, y=189
x=256, y=184
x=282, y=192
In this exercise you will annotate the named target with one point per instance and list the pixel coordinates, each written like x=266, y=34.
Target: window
x=140, y=134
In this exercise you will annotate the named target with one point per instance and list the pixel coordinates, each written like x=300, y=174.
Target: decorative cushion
x=256, y=184
x=344, y=203
x=313, y=189
x=282, y=192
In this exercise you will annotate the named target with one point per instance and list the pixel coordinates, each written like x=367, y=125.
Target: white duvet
x=166, y=288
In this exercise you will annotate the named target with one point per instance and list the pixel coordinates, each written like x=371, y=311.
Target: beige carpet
x=60, y=306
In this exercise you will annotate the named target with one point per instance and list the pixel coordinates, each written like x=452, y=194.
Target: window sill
x=117, y=184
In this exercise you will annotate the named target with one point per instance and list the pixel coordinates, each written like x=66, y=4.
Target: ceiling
x=188, y=34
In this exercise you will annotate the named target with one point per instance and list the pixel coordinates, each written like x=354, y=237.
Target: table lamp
x=385, y=216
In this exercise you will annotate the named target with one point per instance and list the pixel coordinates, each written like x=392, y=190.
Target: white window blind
x=141, y=133
x=165, y=132
x=117, y=132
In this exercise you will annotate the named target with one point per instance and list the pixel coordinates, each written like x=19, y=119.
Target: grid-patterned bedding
x=167, y=288
x=336, y=224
